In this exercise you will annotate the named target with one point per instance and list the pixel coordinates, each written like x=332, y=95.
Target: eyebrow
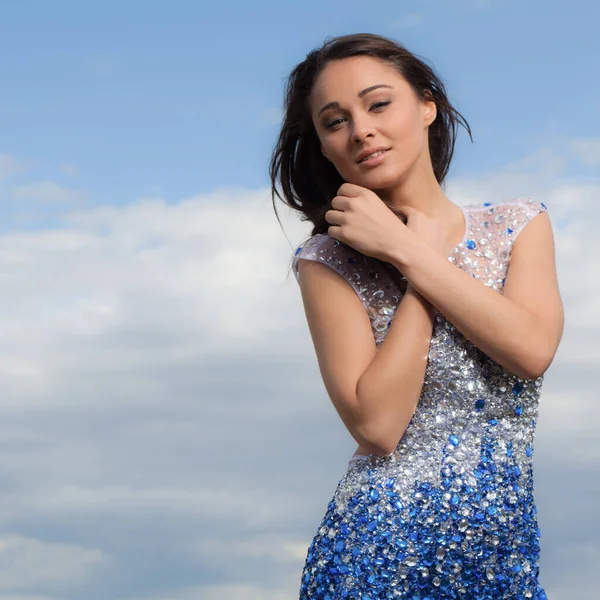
x=360, y=95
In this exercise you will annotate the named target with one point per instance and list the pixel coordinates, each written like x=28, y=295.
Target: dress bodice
x=465, y=393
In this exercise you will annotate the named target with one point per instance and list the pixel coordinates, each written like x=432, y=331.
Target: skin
x=405, y=178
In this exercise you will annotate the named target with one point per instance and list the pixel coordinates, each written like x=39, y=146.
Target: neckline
x=467, y=219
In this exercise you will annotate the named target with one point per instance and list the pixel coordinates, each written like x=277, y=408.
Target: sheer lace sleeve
x=343, y=259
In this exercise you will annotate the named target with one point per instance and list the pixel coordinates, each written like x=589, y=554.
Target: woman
x=431, y=348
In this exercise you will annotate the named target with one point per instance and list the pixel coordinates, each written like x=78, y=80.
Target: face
x=361, y=103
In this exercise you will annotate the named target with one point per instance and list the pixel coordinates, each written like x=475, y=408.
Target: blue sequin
x=470, y=244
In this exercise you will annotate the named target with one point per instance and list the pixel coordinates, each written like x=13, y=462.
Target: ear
x=432, y=114
x=429, y=109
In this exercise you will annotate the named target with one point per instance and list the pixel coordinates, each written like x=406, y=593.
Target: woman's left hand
x=360, y=219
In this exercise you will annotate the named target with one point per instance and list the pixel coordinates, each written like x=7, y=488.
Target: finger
x=350, y=189
x=335, y=231
x=341, y=203
x=336, y=217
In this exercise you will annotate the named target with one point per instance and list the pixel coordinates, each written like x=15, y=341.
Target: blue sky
x=183, y=97
x=165, y=431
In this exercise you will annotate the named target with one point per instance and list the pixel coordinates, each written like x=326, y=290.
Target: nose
x=360, y=135
x=361, y=129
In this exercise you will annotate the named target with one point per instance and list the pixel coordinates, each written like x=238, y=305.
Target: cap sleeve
x=343, y=259
x=523, y=212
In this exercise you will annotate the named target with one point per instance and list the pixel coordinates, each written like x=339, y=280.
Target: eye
x=333, y=123
x=375, y=106
x=380, y=104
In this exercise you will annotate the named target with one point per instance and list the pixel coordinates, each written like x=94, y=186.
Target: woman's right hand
x=429, y=230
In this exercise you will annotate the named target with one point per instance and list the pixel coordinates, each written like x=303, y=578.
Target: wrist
x=427, y=306
x=405, y=255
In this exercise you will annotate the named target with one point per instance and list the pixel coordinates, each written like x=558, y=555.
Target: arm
x=519, y=329
x=389, y=389
x=375, y=392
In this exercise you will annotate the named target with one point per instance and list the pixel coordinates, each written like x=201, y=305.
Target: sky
x=165, y=431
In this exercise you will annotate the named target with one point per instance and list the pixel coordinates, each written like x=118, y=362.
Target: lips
x=368, y=152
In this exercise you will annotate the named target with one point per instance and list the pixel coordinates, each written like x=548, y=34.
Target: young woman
x=433, y=325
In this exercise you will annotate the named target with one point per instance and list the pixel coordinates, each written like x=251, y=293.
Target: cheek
x=408, y=138
x=338, y=155
x=332, y=150
x=404, y=126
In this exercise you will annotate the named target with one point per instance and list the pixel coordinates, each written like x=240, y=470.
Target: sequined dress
x=450, y=514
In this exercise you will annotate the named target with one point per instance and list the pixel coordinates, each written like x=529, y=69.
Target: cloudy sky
x=165, y=432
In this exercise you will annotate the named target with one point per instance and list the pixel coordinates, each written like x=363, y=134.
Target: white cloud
x=256, y=507
x=27, y=562
x=25, y=597
x=274, y=547
x=46, y=192
x=159, y=382
x=588, y=151
x=130, y=267
x=226, y=592
x=10, y=166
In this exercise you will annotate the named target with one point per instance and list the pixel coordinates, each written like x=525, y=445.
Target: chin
x=380, y=181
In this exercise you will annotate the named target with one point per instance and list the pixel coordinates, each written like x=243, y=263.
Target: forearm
x=504, y=331
x=389, y=390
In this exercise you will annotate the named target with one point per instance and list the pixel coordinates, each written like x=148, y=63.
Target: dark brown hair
x=308, y=180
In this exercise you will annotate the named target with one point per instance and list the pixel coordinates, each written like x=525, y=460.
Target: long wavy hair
x=308, y=181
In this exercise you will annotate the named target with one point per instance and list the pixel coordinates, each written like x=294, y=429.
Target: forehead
x=347, y=76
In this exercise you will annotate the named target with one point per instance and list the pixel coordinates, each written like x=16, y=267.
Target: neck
x=425, y=196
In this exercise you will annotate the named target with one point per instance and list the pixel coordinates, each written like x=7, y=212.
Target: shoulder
x=311, y=245
x=519, y=206
x=326, y=249
x=519, y=212
x=507, y=217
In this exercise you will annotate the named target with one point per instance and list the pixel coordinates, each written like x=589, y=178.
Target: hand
x=429, y=229
x=360, y=219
